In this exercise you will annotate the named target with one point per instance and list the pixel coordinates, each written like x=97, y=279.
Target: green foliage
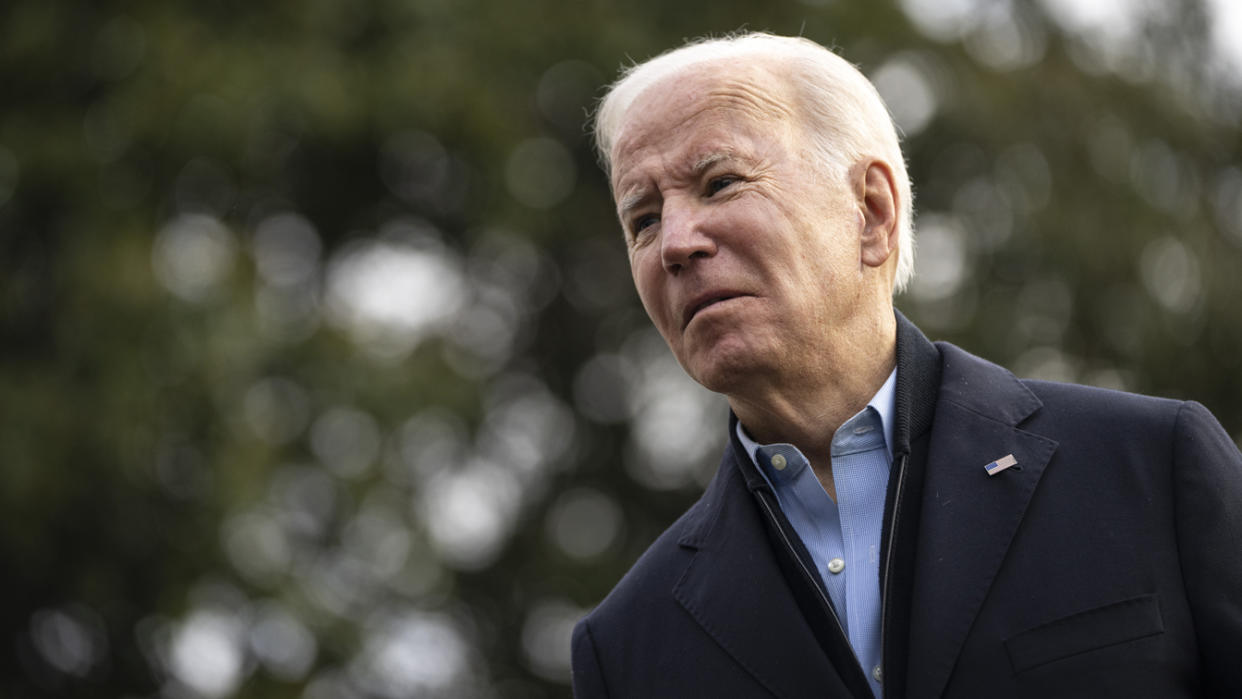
x=323, y=375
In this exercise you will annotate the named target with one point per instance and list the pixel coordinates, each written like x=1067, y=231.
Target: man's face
x=746, y=255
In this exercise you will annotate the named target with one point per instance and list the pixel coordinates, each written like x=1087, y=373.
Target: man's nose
x=684, y=237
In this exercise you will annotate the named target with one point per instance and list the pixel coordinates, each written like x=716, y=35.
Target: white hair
x=842, y=113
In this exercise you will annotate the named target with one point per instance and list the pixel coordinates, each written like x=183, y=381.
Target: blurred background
x=322, y=372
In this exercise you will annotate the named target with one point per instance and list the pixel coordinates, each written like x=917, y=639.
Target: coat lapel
x=968, y=518
x=734, y=589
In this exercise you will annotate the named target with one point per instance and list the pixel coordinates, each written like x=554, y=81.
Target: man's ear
x=878, y=203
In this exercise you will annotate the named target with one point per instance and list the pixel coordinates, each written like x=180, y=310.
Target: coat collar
x=918, y=383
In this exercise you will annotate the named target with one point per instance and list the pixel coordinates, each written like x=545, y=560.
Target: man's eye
x=718, y=183
x=645, y=221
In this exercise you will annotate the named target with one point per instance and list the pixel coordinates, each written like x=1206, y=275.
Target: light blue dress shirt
x=843, y=537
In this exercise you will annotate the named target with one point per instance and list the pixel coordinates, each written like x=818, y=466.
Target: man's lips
x=704, y=300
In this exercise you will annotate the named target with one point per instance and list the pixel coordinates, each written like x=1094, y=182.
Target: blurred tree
x=322, y=372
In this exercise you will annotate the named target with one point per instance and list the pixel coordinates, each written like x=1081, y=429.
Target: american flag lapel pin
x=1001, y=464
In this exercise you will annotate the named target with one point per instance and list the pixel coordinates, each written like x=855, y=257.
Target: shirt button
x=836, y=565
x=877, y=674
x=778, y=462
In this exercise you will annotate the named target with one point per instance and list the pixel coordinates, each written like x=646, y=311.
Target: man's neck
x=806, y=411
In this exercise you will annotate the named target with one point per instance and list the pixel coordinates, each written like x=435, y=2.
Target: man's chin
x=723, y=369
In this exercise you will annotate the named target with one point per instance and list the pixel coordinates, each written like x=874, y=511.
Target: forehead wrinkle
x=747, y=97
x=766, y=101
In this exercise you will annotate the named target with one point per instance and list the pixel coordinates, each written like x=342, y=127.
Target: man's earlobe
x=879, y=206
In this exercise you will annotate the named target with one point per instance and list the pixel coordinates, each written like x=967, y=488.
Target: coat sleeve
x=588, y=678
x=1207, y=473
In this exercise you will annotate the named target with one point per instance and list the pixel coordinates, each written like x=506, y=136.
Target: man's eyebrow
x=632, y=201
x=636, y=199
x=702, y=164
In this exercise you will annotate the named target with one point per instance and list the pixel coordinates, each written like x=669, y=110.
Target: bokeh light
x=206, y=654
x=193, y=256
x=71, y=639
x=910, y=96
x=585, y=523
x=391, y=293
x=546, y=637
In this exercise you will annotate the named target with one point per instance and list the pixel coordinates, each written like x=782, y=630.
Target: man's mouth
x=704, y=301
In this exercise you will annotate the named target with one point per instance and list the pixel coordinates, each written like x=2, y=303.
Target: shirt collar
x=884, y=402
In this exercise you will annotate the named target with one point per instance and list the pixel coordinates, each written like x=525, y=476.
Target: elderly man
x=891, y=517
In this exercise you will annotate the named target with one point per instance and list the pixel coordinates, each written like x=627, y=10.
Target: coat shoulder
x=648, y=582
x=1073, y=403
x=640, y=641
x=988, y=388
